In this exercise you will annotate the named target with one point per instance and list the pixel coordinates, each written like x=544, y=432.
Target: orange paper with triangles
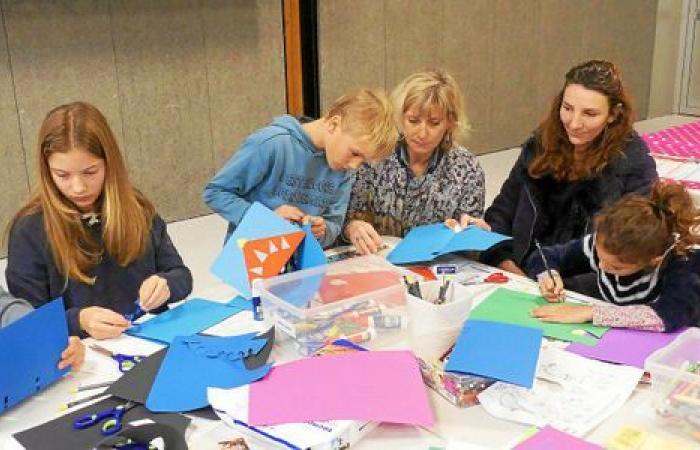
x=265, y=258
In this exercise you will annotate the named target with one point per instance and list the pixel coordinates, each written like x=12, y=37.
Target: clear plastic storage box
x=675, y=379
x=361, y=299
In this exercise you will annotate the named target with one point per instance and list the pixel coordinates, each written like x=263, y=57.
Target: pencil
x=82, y=400
x=544, y=261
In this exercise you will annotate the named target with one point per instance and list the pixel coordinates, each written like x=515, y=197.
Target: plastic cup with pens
x=435, y=318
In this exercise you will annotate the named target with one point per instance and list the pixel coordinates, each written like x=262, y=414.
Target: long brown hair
x=639, y=228
x=126, y=214
x=555, y=153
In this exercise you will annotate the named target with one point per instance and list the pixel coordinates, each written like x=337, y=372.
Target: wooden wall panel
x=245, y=70
x=160, y=57
x=508, y=56
x=61, y=51
x=13, y=174
x=468, y=56
x=414, y=38
x=352, y=46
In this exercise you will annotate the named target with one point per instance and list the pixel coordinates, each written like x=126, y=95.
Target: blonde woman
x=429, y=177
x=87, y=235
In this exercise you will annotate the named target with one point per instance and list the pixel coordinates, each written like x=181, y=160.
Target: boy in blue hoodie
x=304, y=171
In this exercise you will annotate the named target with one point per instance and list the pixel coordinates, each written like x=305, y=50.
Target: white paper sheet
x=571, y=393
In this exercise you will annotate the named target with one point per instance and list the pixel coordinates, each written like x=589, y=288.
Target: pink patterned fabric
x=639, y=317
x=681, y=141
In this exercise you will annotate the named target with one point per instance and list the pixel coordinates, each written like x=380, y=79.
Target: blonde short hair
x=367, y=115
x=434, y=88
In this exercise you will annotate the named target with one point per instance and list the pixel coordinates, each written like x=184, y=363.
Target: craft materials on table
x=625, y=346
x=677, y=153
x=549, y=438
x=426, y=242
x=260, y=247
x=631, y=437
x=30, y=349
x=193, y=363
x=497, y=350
x=359, y=299
x=124, y=362
x=382, y=386
x=505, y=305
x=571, y=393
x=109, y=419
x=190, y=317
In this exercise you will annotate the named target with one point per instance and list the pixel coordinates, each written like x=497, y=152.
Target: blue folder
x=30, y=349
x=427, y=242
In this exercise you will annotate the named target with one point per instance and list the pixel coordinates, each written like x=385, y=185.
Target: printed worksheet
x=571, y=393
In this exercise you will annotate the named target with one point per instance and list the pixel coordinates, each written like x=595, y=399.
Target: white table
x=468, y=428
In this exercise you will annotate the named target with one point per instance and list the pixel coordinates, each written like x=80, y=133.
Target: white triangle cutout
x=257, y=270
x=262, y=256
x=285, y=244
x=273, y=248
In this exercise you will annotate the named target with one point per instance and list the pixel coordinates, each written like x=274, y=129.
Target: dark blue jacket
x=32, y=274
x=519, y=209
x=678, y=285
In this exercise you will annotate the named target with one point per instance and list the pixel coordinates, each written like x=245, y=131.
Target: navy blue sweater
x=673, y=292
x=32, y=274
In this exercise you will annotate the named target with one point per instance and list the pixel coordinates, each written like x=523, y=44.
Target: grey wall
x=181, y=82
x=508, y=56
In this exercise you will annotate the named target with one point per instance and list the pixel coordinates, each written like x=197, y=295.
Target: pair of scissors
x=126, y=362
x=113, y=415
x=136, y=313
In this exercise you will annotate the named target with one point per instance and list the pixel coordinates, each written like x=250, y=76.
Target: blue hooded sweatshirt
x=279, y=165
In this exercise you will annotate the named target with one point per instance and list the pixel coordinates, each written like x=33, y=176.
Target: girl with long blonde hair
x=87, y=234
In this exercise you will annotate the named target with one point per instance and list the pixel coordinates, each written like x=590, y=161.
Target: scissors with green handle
x=126, y=362
x=113, y=416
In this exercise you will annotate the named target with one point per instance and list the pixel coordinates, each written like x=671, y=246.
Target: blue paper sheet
x=191, y=317
x=30, y=349
x=497, y=350
x=257, y=223
x=310, y=253
x=427, y=242
x=194, y=363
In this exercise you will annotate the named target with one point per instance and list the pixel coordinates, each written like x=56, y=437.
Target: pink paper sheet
x=623, y=346
x=382, y=386
x=549, y=438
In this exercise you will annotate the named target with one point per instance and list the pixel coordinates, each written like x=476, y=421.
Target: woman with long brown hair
x=87, y=234
x=582, y=157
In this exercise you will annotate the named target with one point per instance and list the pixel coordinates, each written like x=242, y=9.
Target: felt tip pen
x=255, y=300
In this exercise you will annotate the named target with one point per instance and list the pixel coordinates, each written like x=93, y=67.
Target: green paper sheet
x=505, y=305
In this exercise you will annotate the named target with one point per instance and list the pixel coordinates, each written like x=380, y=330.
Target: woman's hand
x=102, y=323
x=154, y=292
x=467, y=220
x=564, y=313
x=73, y=355
x=510, y=266
x=363, y=236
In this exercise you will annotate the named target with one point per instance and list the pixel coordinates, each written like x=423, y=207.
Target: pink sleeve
x=640, y=317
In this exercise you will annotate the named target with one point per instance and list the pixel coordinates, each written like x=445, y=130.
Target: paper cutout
x=383, y=386
x=135, y=385
x=30, y=349
x=505, y=305
x=497, y=350
x=258, y=223
x=549, y=438
x=571, y=393
x=624, y=346
x=191, y=317
x=188, y=370
x=266, y=257
x=426, y=242
x=58, y=434
x=347, y=285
